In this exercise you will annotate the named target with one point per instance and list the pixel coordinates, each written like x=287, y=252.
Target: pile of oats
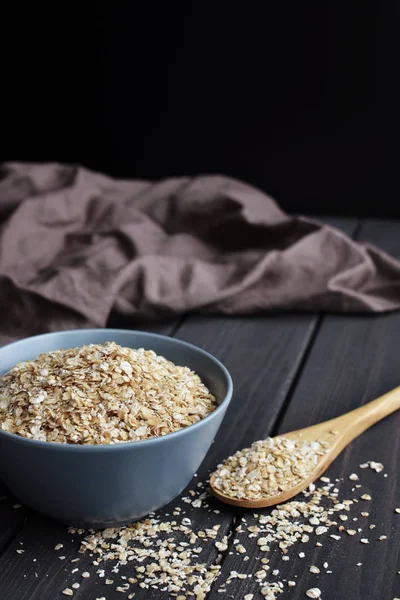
x=101, y=394
x=268, y=467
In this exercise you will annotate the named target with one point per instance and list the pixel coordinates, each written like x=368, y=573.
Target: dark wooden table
x=289, y=371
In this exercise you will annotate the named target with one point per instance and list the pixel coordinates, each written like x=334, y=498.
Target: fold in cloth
x=76, y=246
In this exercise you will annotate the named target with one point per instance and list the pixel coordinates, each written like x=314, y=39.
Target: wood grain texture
x=353, y=360
x=264, y=355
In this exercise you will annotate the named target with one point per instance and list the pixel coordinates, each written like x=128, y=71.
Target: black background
x=297, y=98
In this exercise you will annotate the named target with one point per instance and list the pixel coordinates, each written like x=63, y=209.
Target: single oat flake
x=314, y=569
x=101, y=394
x=365, y=497
x=313, y=593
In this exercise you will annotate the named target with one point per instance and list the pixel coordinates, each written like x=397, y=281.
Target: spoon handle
x=360, y=419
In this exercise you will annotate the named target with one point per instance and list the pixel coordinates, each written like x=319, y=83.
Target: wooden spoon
x=338, y=433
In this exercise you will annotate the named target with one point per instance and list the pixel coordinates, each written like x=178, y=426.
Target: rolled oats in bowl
x=101, y=394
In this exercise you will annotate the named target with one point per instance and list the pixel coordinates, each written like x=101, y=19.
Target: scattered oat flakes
x=383, y=537
x=67, y=592
x=351, y=531
x=58, y=547
x=85, y=574
x=314, y=569
x=364, y=541
x=397, y=510
x=172, y=564
x=353, y=477
x=365, y=497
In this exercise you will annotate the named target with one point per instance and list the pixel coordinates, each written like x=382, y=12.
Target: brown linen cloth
x=76, y=246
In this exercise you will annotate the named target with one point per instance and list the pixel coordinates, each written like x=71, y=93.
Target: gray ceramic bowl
x=104, y=485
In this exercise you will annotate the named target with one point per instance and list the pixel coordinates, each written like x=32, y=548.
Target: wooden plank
x=385, y=234
x=264, y=355
x=353, y=360
x=163, y=327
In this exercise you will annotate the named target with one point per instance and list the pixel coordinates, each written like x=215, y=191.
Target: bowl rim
x=65, y=447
